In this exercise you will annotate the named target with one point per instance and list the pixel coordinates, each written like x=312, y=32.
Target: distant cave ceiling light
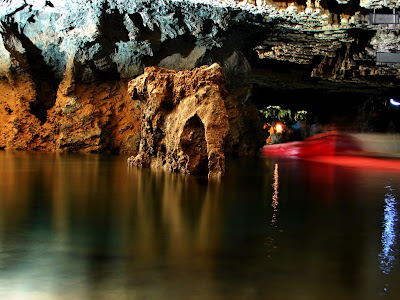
x=394, y=102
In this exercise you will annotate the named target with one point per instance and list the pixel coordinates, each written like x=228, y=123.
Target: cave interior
x=346, y=106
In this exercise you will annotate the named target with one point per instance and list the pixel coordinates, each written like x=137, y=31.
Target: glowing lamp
x=279, y=128
x=394, y=102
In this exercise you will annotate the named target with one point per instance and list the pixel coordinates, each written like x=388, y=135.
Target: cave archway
x=194, y=146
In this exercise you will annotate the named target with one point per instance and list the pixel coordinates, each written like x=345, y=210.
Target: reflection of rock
x=184, y=119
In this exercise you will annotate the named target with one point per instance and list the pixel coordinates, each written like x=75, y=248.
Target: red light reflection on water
x=358, y=161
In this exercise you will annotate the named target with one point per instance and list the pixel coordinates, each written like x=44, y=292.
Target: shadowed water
x=89, y=227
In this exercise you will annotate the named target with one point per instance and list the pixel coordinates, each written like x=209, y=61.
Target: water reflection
x=389, y=235
x=177, y=207
x=275, y=195
x=271, y=240
x=88, y=227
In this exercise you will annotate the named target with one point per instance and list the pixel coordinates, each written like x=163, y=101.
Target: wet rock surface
x=85, y=118
x=64, y=65
x=184, y=120
x=119, y=38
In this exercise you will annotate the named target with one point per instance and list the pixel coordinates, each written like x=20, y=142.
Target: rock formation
x=85, y=118
x=64, y=64
x=118, y=38
x=184, y=119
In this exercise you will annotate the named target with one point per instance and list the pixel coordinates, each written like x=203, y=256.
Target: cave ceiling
x=314, y=44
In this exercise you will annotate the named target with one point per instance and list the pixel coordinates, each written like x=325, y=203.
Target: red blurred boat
x=329, y=143
x=324, y=148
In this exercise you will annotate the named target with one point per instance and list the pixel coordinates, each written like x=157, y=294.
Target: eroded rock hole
x=194, y=145
x=135, y=94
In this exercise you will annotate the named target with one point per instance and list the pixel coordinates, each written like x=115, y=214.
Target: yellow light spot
x=279, y=128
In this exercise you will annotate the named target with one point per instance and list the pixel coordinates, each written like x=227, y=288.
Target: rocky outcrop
x=109, y=39
x=184, y=120
x=245, y=134
x=84, y=118
x=64, y=64
x=100, y=118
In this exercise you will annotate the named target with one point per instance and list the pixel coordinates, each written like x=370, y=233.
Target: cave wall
x=64, y=65
x=85, y=118
x=113, y=39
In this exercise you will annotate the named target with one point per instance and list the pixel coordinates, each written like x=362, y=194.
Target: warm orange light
x=279, y=128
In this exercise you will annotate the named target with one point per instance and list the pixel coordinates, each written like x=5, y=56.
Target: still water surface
x=88, y=227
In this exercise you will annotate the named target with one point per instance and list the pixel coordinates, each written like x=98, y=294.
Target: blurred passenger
x=271, y=131
x=277, y=133
x=276, y=138
x=300, y=131
x=316, y=128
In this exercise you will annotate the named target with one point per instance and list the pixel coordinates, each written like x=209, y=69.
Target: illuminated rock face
x=84, y=118
x=184, y=120
x=64, y=64
x=117, y=39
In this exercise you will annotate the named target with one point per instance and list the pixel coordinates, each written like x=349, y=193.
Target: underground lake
x=77, y=226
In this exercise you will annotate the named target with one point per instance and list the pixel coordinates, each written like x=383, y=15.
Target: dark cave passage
x=359, y=107
x=345, y=109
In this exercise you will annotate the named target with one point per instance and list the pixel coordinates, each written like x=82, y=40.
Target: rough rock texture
x=85, y=118
x=57, y=58
x=184, y=119
x=64, y=64
x=101, y=118
x=118, y=38
x=245, y=134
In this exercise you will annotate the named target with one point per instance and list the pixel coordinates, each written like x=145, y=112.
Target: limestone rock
x=379, y=3
x=87, y=118
x=245, y=134
x=91, y=118
x=59, y=58
x=184, y=120
x=118, y=38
